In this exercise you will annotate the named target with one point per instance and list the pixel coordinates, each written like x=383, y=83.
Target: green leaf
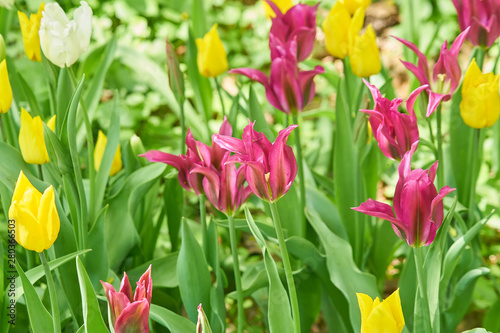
x=491, y=320
x=199, y=14
x=64, y=95
x=291, y=213
x=194, y=277
x=257, y=115
x=33, y=103
x=173, y=196
x=91, y=312
x=171, y=320
x=163, y=271
x=97, y=260
x=217, y=301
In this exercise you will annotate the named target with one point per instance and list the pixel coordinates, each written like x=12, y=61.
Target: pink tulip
x=270, y=168
x=297, y=24
x=130, y=314
x=417, y=204
x=446, y=74
x=288, y=88
x=483, y=18
x=395, y=132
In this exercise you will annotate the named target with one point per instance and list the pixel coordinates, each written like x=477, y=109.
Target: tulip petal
x=48, y=218
x=380, y=210
x=125, y=287
x=282, y=163
x=410, y=102
x=134, y=318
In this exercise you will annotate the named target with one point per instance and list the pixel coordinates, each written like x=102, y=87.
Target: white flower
x=62, y=40
x=6, y=3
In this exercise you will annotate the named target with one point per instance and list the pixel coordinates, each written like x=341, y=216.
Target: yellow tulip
x=480, y=106
x=283, y=5
x=100, y=146
x=31, y=140
x=353, y=5
x=212, y=58
x=335, y=27
x=381, y=317
x=365, y=56
x=29, y=29
x=36, y=219
x=5, y=89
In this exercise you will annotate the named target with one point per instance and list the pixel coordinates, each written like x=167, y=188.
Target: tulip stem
x=472, y=193
x=183, y=128
x=288, y=267
x=300, y=169
x=421, y=281
x=40, y=173
x=237, y=276
x=440, y=149
x=220, y=96
x=203, y=222
x=52, y=292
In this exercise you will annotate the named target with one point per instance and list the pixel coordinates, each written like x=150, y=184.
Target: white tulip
x=62, y=40
x=6, y=3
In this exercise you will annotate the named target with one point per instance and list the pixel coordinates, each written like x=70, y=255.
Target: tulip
x=381, y=317
x=283, y=6
x=175, y=76
x=100, y=146
x=336, y=27
x=5, y=89
x=6, y=3
x=417, y=204
x=35, y=214
x=293, y=31
x=395, y=132
x=480, y=105
x=483, y=18
x=202, y=326
x=31, y=140
x=212, y=58
x=363, y=50
x=130, y=314
x=288, y=88
x=353, y=5
x=62, y=40
x=270, y=168
x=446, y=74
x=29, y=30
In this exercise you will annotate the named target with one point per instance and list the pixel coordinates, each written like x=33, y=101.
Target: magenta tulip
x=270, y=168
x=130, y=314
x=446, y=74
x=483, y=18
x=395, y=132
x=299, y=25
x=417, y=204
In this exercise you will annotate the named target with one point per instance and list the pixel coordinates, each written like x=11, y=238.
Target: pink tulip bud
x=483, y=18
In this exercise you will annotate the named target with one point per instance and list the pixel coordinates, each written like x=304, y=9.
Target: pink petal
x=134, y=318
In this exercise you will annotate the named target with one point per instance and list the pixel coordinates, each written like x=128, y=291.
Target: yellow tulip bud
x=100, y=146
x=29, y=29
x=381, y=317
x=212, y=58
x=353, y=5
x=36, y=219
x=283, y=5
x=480, y=106
x=31, y=140
x=365, y=56
x=335, y=27
x=5, y=89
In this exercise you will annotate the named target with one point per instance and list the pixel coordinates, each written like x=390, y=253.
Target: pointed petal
x=134, y=318
x=410, y=102
x=125, y=287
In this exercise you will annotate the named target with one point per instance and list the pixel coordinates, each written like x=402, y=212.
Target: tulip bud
x=29, y=30
x=5, y=89
x=31, y=139
x=62, y=40
x=136, y=145
x=3, y=55
x=100, y=146
x=480, y=105
x=283, y=5
x=353, y=5
x=378, y=317
x=212, y=58
x=336, y=27
x=37, y=220
x=175, y=76
x=203, y=326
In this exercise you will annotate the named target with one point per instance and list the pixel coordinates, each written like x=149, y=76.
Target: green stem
x=203, y=221
x=288, y=267
x=52, y=292
x=220, y=96
x=4, y=136
x=40, y=173
x=440, y=148
x=237, y=276
x=421, y=281
x=183, y=128
x=472, y=193
x=300, y=169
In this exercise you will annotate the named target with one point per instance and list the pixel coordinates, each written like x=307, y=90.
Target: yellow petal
x=117, y=162
x=52, y=123
x=22, y=186
x=29, y=234
x=48, y=218
x=355, y=28
x=365, y=303
x=394, y=304
x=29, y=30
x=365, y=56
x=212, y=58
x=5, y=88
x=100, y=146
x=381, y=320
x=283, y=5
x=335, y=27
x=353, y=5
x=31, y=140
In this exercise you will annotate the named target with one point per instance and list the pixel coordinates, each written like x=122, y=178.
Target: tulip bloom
x=270, y=168
x=5, y=89
x=37, y=220
x=480, y=105
x=446, y=74
x=293, y=32
x=31, y=140
x=288, y=88
x=202, y=326
x=395, y=132
x=100, y=146
x=381, y=317
x=417, y=204
x=283, y=5
x=483, y=18
x=62, y=40
x=212, y=58
x=130, y=314
x=29, y=29
x=353, y=5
